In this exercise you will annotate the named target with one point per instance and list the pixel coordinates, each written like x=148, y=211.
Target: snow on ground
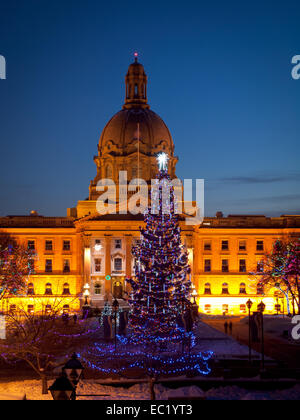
x=223, y=346
x=32, y=389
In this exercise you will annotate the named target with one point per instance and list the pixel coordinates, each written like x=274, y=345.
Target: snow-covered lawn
x=32, y=390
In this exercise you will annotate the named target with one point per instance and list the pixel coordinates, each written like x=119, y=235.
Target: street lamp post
x=249, y=306
x=115, y=306
x=261, y=308
x=73, y=370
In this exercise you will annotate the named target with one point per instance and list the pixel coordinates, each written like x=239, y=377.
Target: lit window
x=30, y=309
x=97, y=265
x=48, y=290
x=66, y=290
x=225, y=290
x=225, y=266
x=207, y=266
x=97, y=289
x=243, y=290
x=260, y=267
x=48, y=309
x=225, y=309
x=66, y=309
x=243, y=245
x=259, y=245
x=207, y=289
x=48, y=266
x=67, y=267
x=243, y=266
x=260, y=289
x=118, y=243
x=66, y=246
x=118, y=264
x=30, y=289
x=49, y=246
x=31, y=245
x=207, y=246
x=243, y=309
x=207, y=309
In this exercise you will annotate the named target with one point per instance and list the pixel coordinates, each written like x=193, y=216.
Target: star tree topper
x=162, y=160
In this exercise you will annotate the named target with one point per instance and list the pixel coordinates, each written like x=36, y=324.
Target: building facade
x=86, y=251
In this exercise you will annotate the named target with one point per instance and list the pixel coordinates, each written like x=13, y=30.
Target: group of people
x=228, y=327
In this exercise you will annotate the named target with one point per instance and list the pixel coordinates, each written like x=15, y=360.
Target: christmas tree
x=162, y=285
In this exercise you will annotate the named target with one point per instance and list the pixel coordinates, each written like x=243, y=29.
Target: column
x=128, y=259
x=108, y=286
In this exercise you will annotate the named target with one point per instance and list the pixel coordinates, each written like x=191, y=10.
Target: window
x=243, y=309
x=242, y=245
x=66, y=246
x=48, y=309
x=98, y=245
x=66, y=290
x=118, y=264
x=243, y=266
x=260, y=290
x=97, y=265
x=12, y=308
x=31, y=245
x=259, y=245
x=225, y=290
x=225, y=266
x=48, y=266
x=48, y=290
x=207, y=245
x=207, y=266
x=207, y=289
x=48, y=246
x=225, y=245
x=30, y=289
x=260, y=267
x=225, y=309
x=243, y=290
x=30, y=309
x=97, y=289
x=67, y=267
x=66, y=309
x=118, y=243
x=207, y=309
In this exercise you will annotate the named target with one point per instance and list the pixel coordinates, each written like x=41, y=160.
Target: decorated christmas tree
x=161, y=288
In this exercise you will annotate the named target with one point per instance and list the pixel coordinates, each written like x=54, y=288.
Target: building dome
x=133, y=137
x=121, y=134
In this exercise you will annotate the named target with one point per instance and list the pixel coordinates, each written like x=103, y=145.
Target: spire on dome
x=136, y=86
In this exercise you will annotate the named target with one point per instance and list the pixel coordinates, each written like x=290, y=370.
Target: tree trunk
x=152, y=391
x=44, y=384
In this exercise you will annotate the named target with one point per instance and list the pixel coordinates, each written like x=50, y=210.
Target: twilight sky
x=219, y=75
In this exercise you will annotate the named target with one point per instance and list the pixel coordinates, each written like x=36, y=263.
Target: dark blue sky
x=219, y=75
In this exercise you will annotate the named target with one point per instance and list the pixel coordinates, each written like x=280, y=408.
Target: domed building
x=85, y=258
x=133, y=137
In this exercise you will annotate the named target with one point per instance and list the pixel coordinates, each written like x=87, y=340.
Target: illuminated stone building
x=88, y=251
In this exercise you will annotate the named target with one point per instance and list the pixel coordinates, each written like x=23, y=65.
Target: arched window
x=66, y=309
x=260, y=290
x=48, y=290
x=66, y=290
x=243, y=309
x=225, y=290
x=30, y=309
x=30, y=289
x=207, y=289
x=97, y=289
x=243, y=290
